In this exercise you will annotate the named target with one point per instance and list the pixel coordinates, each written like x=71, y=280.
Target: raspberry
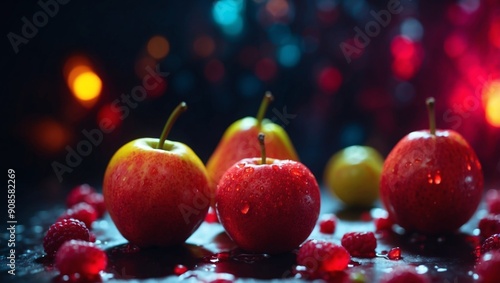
x=488, y=266
x=493, y=201
x=80, y=257
x=320, y=257
x=394, y=253
x=78, y=194
x=81, y=211
x=360, y=244
x=96, y=200
x=211, y=216
x=382, y=223
x=490, y=244
x=62, y=231
x=87, y=194
x=404, y=274
x=489, y=225
x=327, y=223
x=180, y=269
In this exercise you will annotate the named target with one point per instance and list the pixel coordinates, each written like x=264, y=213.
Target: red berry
x=394, y=254
x=404, y=274
x=491, y=243
x=488, y=266
x=327, y=224
x=321, y=257
x=78, y=194
x=80, y=257
x=96, y=200
x=493, y=201
x=211, y=216
x=489, y=225
x=81, y=211
x=62, y=231
x=180, y=269
x=383, y=223
x=360, y=244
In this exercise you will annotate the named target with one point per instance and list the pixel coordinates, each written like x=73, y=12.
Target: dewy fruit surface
x=431, y=183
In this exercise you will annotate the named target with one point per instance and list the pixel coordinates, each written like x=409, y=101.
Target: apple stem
x=170, y=122
x=268, y=97
x=432, y=118
x=262, y=147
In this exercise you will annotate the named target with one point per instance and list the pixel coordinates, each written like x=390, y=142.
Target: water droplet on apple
x=408, y=164
x=437, y=178
x=249, y=169
x=240, y=165
x=296, y=172
x=275, y=167
x=244, y=209
x=430, y=179
x=468, y=167
x=238, y=188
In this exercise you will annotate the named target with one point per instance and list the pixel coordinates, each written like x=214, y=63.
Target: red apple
x=156, y=191
x=432, y=180
x=268, y=205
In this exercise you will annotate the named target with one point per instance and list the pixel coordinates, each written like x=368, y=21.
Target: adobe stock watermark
x=40, y=19
x=362, y=39
x=94, y=137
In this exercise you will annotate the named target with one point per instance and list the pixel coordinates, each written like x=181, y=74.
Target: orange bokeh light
x=204, y=46
x=491, y=96
x=81, y=79
x=158, y=47
x=87, y=86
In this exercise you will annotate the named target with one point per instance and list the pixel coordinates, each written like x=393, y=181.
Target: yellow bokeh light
x=87, y=86
x=492, y=103
x=158, y=47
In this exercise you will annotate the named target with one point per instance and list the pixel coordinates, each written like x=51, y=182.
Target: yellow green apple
x=353, y=175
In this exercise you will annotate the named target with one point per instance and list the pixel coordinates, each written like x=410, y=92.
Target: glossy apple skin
x=353, y=175
x=240, y=141
x=156, y=197
x=268, y=208
x=431, y=184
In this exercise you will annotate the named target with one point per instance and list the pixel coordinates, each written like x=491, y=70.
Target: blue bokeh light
x=289, y=55
x=228, y=15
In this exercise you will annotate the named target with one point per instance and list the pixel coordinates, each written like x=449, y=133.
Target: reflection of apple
x=156, y=191
x=268, y=205
x=432, y=180
x=353, y=175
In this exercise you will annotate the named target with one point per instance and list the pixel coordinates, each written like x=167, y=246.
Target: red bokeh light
x=455, y=45
x=265, y=69
x=214, y=70
x=403, y=48
x=109, y=113
x=329, y=79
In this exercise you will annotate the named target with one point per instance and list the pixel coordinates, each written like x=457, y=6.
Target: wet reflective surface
x=211, y=256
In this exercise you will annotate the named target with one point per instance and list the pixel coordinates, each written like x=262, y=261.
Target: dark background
x=449, y=49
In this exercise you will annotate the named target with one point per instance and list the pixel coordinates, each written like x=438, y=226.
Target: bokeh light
x=329, y=79
x=289, y=55
x=87, y=86
x=47, y=136
x=494, y=32
x=109, y=114
x=158, y=47
x=455, y=45
x=265, y=69
x=214, y=71
x=82, y=80
x=228, y=15
x=491, y=96
x=204, y=46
